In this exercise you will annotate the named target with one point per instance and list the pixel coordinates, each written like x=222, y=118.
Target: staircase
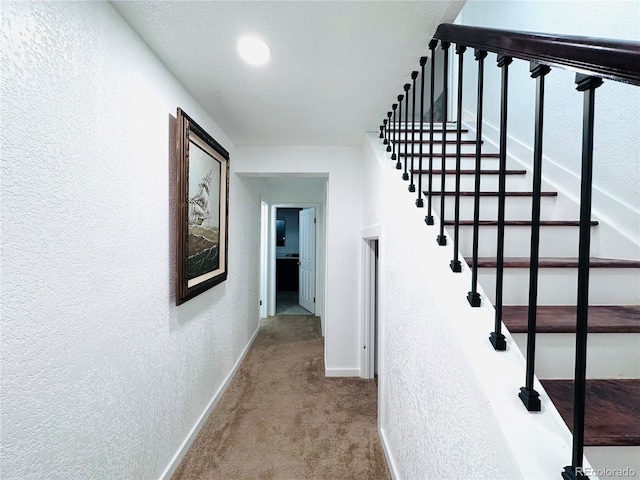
x=612, y=414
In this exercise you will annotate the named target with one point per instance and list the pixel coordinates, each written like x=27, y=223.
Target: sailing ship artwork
x=203, y=234
x=202, y=210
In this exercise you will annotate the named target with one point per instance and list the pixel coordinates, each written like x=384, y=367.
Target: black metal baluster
x=528, y=395
x=455, y=264
x=496, y=338
x=423, y=62
x=442, y=238
x=394, y=107
x=414, y=75
x=405, y=174
x=587, y=85
x=473, y=296
x=429, y=217
x=400, y=98
x=387, y=140
x=384, y=122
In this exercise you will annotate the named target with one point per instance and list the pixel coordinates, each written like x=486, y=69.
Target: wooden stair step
x=522, y=223
x=469, y=172
x=612, y=410
x=402, y=123
x=562, y=319
x=495, y=194
x=451, y=155
x=448, y=142
x=426, y=127
x=555, y=262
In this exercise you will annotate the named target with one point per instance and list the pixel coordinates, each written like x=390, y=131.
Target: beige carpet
x=281, y=418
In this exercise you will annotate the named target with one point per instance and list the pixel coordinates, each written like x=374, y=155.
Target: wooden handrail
x=604, y=58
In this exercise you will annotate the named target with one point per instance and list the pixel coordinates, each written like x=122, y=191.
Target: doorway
x=370, y=327
x=295, y=259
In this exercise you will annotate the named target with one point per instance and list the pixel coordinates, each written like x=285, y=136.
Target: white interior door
x=307, y=277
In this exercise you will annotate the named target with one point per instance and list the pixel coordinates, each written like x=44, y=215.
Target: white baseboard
x=342, y=372
x=391, y=463
x=186, y=444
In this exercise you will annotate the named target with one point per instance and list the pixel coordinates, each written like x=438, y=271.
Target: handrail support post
x=442, y=238
x=587, y=85
x=407, y=87
x=400, y=98
x=428, y=219
x=456, y=264
x=473, y=297
x=496, y=337
x=414, y=75
x=419, y=201
x=529, y=396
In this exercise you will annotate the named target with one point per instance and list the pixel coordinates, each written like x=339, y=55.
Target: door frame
x=271, y=267
x=264, y=256
x=371, y=293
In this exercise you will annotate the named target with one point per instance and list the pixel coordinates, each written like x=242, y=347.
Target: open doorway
x=370, y=327
x=295, y=257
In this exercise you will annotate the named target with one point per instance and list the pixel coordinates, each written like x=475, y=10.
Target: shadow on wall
x=438, y=108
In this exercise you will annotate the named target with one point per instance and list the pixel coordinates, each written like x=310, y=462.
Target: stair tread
x=523, y=223
x=562, y=318
x=451, y=155
x=612, y=410
x=556, y=262
x=495, y=194
x=470, y=172
x=449, y=142
x=426, y=129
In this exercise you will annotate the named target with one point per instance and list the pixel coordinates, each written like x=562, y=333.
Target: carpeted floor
x=282, y=419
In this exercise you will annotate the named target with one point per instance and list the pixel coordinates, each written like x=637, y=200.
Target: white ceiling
x=335, y=67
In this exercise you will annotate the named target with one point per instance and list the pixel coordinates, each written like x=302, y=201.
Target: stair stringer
x=531, y=445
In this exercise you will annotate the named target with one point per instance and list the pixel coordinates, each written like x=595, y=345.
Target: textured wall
x=448, y=402
x=616, y=174
x=427, y=411
x=102, y=376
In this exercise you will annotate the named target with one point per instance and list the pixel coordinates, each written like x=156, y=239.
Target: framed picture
x=202, y=210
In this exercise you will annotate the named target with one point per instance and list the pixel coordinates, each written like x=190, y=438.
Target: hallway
x=281, y=418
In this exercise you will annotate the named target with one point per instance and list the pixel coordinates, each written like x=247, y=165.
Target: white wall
x=426, y=409
x=617, y=139
x=342, y=166
x=102, y=376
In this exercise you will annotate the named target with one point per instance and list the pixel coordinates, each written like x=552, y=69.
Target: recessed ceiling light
x=253, y=50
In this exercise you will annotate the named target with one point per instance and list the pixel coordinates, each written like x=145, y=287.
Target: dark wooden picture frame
x=202, y=210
